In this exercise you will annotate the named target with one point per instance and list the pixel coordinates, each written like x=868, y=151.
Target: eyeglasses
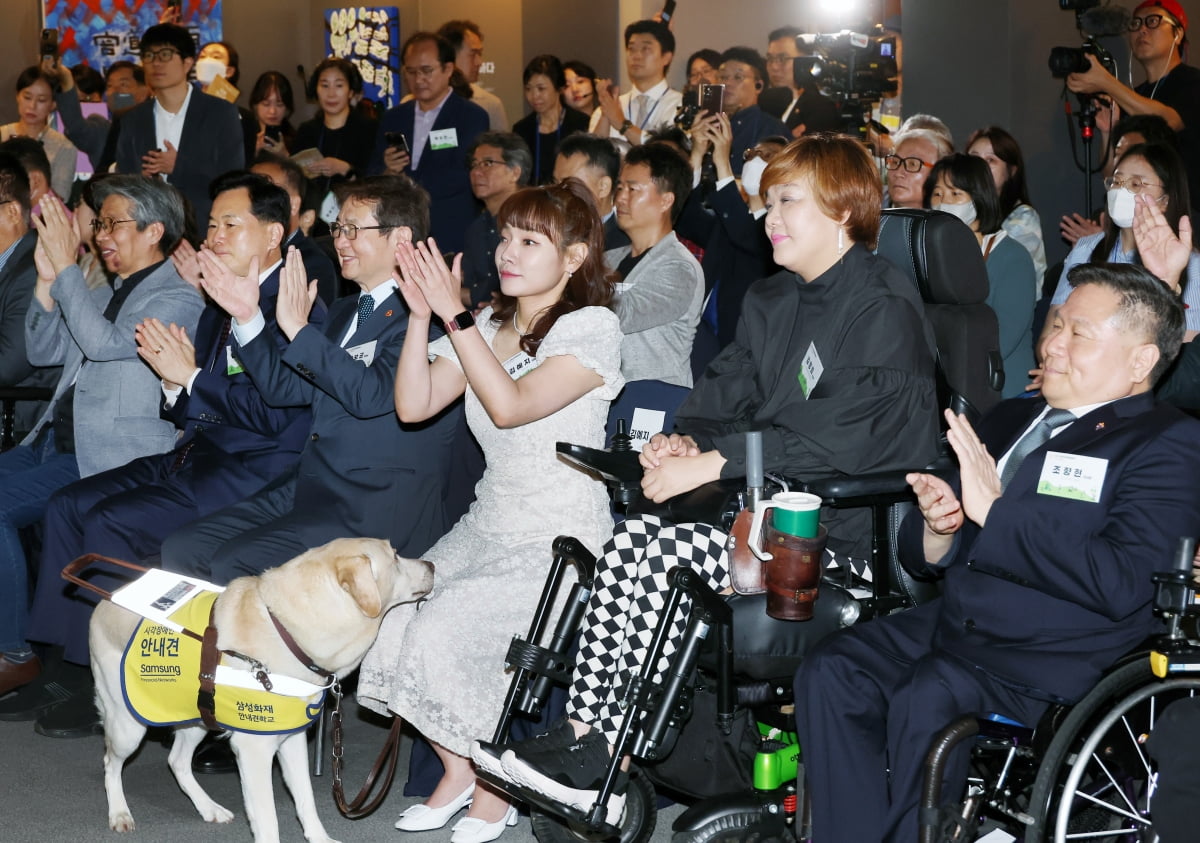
x=106, y=224
x=424, y=72
x=910, y=164
x=163, y=54
x=756, y=152
x=731, y=78
x=1133, y=185
x=1150, y=22
x=484, y=163
x=351, y=231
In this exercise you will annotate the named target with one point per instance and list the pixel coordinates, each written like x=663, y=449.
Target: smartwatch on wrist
x=460, y=322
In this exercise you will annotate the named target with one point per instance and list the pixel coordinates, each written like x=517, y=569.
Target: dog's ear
x=358, y=580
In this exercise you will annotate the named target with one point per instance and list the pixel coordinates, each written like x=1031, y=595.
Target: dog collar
x=297, y=651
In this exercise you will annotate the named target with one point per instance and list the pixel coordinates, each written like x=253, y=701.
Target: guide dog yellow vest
x=160, y=679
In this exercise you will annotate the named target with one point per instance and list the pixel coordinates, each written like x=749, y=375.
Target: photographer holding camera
x=1157, y=34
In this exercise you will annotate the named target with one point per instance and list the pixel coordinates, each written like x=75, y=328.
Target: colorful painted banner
x=100, y=32
x=369, y=36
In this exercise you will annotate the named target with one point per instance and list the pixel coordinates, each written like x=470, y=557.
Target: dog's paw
x=122, y=821
x=216, y=814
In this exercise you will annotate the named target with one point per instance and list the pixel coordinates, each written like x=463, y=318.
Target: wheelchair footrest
x=556, y=665
x=546, y=805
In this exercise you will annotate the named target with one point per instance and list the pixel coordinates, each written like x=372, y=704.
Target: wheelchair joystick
x=754, y=469
x=620, y=440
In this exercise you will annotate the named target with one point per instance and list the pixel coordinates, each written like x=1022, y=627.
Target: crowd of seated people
x=262, y=336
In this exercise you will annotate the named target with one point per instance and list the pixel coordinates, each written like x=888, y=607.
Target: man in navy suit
x=182, y=135
x=440, y=126
x=1046, y=548
x=362, y=472
x=231, y=444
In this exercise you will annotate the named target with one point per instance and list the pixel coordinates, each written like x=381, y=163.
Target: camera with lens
x=1067, y=60
x=848, y=66
x=1093, y=22
x=685, y=114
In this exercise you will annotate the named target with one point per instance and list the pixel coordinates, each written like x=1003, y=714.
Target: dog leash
x=362, y=804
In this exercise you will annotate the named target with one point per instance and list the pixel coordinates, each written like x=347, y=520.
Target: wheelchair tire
x=732, y=828
x=1099, y=745
x=637, y=822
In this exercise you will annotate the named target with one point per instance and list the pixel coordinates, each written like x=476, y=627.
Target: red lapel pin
x=388, y=313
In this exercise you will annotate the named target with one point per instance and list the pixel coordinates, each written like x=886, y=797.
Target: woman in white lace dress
x=542, y=367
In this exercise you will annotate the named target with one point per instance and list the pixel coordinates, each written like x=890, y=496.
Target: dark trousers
x=124, y=513
x=246, y=538
x=869, y=701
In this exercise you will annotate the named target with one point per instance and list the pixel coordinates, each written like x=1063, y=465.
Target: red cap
x=1171, y=7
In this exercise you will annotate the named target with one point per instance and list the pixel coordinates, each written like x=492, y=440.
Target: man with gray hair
x=917, y=150
x=105, y=409
x=500, y=164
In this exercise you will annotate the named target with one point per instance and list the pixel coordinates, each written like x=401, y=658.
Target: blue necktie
x=366, y=305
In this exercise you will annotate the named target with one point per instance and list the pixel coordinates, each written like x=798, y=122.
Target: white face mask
x=752, y=172
x=965, y=211
x=1121, y=203
x=208, y=69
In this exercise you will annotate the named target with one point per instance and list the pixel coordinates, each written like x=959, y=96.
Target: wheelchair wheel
x=732, y=828
x=637, y=822
x=1095, y=780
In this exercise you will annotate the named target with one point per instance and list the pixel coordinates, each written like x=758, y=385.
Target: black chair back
x=942, y=257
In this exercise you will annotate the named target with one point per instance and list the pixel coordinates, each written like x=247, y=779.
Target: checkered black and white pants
x=630, y=592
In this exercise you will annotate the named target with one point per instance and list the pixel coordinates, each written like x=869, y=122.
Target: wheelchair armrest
x=881, y=487
x=613, y=466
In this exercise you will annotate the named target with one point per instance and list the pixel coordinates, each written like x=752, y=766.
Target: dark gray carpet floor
x=53, y=792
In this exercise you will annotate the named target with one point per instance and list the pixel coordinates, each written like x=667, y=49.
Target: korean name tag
x=810, y=370
x=364, y=353
x=443, y=138
x=1072, y=476
x=645, y=424
x=233, y=366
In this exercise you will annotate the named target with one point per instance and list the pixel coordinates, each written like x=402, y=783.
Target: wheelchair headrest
x=938, y=252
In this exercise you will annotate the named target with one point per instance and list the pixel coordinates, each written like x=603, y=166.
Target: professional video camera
x=1093, y=21
x=848, y=66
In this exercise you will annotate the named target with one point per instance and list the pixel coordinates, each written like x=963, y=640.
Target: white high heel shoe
x=424, y=818
x=473, y=830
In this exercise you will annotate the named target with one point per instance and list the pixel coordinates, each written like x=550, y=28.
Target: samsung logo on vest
x=160, y=670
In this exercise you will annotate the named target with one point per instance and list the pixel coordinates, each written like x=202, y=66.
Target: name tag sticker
x=364, y=353
x=1072, y=476
x=519, y=365
x=810, y=370
x=233, y=366
x=443, y=139
x=645, y=424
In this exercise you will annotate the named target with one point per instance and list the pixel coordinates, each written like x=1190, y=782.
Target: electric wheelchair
x=733, y=659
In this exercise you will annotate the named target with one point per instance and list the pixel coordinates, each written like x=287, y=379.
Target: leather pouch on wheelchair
x=746, y=572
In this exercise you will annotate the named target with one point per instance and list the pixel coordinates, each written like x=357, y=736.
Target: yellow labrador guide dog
x=281, y=638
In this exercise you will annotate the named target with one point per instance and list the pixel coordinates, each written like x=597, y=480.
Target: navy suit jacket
x=236, y=440
x=1053, y=591
x=17, y=281
x=442, y=172
x=361, y=468
x=210, y=144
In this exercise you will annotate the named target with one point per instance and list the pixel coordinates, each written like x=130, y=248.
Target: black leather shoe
x=215, y=754
x=34, y=699
x=75, y=718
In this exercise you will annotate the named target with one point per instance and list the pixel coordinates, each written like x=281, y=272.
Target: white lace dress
x=442, y=667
